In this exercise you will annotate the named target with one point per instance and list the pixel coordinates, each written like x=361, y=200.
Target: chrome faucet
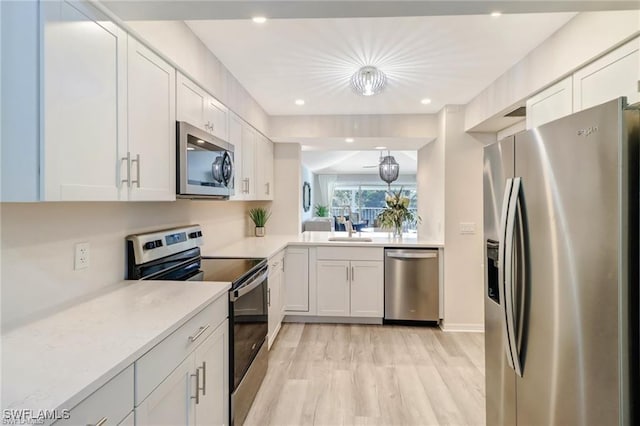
x=347, y=222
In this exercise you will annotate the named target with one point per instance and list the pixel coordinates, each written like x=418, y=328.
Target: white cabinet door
x=248, y=183
x=129, y=420
x=191, y=102
x=296, y=280
x=84, y=105
x=173, y=401
x=550, y=104
x=333, y=288
x=264, y=168
x=367, y=289
x=152, y=128
x=235, y=139
x=615, y=74
x=212, y=361
x=275, y=304
x=217, y=115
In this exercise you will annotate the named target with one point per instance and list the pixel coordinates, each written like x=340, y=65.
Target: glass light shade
x=389, y=169
x=368, y=81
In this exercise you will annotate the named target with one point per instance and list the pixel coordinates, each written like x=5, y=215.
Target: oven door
x=205, y=164
x=248, y=323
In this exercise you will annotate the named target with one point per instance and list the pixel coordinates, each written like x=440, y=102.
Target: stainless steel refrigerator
x=561, y=299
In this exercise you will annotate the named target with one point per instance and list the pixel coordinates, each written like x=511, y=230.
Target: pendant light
x=388, y=168
x=368, y=81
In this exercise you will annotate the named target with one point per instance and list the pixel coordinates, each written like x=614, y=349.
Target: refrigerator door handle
x=508, y=274
x=501, y=268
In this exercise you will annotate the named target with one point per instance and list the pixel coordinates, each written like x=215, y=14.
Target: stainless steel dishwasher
x=411, y=285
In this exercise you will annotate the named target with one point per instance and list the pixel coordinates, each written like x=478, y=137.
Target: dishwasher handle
x=411, y=255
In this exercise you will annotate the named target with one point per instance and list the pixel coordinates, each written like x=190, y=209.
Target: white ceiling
x=448, y=59
x=354, y=162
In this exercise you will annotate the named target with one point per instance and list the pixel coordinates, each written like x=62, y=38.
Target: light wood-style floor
x=328, y=374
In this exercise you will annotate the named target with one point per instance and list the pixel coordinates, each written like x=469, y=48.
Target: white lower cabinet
x=333, y=288
x=296, y=280
x=197, y=390
x=111, y=404
x=275, y=295
x=350, y=288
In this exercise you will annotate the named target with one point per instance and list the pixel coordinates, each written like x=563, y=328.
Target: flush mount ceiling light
x=368, y=81
x=425, y=101
x=349, y=140
x=259, y=19
x=299, y=102
x=496, y=14
x=389, y=168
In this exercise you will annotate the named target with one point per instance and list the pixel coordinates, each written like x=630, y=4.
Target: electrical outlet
x=467, y=228
x=82, y=256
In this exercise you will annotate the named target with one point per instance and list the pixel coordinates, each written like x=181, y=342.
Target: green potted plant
x=321, y=210
x=259, y=216
x=397, y=212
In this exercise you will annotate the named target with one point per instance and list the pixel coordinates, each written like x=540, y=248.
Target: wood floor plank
x=335, y=374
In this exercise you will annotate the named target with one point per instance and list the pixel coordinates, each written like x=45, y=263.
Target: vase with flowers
x=397, y=212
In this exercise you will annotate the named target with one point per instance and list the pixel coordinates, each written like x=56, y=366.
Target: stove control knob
x=150, y=245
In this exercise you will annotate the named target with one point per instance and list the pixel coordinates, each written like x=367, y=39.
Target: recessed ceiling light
x=349, y=140
x=300, y=102
x=381, y=147
x=425, y=101
x=200, y=141
x=496, y=14
x=190, y=148
x=259, y=19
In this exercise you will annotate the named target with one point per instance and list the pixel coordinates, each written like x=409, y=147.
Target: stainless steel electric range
x=174, y=254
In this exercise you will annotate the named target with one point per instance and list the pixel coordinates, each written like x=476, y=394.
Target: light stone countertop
x=265, y=247
x=57, y=361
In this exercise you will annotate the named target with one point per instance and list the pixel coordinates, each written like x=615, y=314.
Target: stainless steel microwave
x=205, y=167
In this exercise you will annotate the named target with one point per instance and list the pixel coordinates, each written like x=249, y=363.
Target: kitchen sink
x=352, y=239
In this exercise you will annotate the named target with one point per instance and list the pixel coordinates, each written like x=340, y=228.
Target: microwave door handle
x=236, y=294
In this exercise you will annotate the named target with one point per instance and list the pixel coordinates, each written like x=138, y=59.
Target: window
x=367, y=201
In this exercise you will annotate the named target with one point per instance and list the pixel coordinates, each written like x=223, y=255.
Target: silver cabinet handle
x=268, y=188
x=100, y=422
x=204, y=378
x=137, y=161
x=347, y=269
x=201, y=330
x=127, y=159
x=353, y=273
x=197, y=376
x=269, y=297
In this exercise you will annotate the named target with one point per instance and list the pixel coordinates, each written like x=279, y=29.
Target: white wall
x=37, y=246
x=287, y=205
x=583, y=39
x=430, y=181
x=175, y=40
x=463, y=254
x=307, y=176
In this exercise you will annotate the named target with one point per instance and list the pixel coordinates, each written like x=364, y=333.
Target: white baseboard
x=462, y=328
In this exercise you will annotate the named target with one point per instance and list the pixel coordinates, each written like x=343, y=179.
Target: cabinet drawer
x=113, y=401
x=350, y=253
x=154, y=366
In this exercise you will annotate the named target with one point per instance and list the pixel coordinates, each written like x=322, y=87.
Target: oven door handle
x=236, y=294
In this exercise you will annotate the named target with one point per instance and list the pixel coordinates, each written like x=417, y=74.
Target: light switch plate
x=468, y=228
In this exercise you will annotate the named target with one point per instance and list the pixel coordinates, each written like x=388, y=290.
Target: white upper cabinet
x=152, y=125
x=247, y=185
x=217, y=117
x=191, y=102
x=264, y=168
x=235, y=139
x=199, y=108
x=552, y=103
x=615, y=74
x=84, y=103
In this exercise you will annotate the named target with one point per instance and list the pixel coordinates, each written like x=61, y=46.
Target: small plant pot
x=259, y=231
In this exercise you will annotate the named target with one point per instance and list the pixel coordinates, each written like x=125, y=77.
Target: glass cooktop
x=233, y=270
